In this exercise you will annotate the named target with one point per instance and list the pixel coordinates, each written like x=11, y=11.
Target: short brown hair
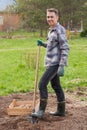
x=53, y=10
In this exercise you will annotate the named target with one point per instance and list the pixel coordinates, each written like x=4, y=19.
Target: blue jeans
x=50, y=75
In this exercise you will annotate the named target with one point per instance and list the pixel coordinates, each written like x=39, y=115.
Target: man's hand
x=39, y=43
x=60, y=71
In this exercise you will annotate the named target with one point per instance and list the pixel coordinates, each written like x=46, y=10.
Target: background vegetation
x=73, y=13
x=18, y=60
x=18, y=54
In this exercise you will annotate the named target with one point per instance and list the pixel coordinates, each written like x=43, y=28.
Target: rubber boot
x=60, y=109
x=41, y=111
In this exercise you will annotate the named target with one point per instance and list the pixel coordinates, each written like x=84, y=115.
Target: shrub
x=83, y=33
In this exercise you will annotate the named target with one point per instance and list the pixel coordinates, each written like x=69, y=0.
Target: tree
x=72, y=12
x=33, y=12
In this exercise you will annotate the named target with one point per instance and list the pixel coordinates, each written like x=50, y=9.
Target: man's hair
x=53, y=10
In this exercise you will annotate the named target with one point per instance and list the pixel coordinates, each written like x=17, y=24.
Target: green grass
x=76, y=73
x=18, y=59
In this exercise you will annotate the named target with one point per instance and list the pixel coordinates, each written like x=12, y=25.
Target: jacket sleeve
x=64, y=48
x=44, y=44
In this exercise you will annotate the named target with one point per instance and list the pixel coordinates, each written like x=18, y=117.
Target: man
x=55, y=60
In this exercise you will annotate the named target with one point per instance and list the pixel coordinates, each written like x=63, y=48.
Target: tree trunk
x=41, y=32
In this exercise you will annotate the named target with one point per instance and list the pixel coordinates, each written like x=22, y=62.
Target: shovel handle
x=36, y=77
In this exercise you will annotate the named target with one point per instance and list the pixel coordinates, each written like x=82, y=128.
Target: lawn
x=18, y=59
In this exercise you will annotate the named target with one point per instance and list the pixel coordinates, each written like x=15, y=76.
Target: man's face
x=52, y=19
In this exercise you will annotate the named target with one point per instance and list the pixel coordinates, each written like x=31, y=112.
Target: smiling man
x=55, y=59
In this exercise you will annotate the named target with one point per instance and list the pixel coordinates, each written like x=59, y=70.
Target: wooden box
x=20, y=107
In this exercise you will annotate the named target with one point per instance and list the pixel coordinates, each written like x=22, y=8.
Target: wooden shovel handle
x=36, y=77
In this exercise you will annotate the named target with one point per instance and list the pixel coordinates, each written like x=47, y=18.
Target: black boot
x=60, y=109
x=41, y=111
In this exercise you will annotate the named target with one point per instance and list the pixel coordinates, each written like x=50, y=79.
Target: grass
x=18, y=59
x=77, y=71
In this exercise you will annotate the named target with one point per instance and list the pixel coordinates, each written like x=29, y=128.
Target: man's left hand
x=60, y=71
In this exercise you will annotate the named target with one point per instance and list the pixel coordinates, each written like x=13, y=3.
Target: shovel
x=35, y=106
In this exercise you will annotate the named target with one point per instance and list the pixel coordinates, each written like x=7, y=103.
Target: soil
x=75, y=119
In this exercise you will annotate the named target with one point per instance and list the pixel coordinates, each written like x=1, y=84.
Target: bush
x=83, y=33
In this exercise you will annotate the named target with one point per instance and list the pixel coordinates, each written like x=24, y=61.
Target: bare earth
x=75, y=119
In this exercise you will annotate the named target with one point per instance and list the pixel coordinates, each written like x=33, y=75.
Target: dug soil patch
x=75, y=119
